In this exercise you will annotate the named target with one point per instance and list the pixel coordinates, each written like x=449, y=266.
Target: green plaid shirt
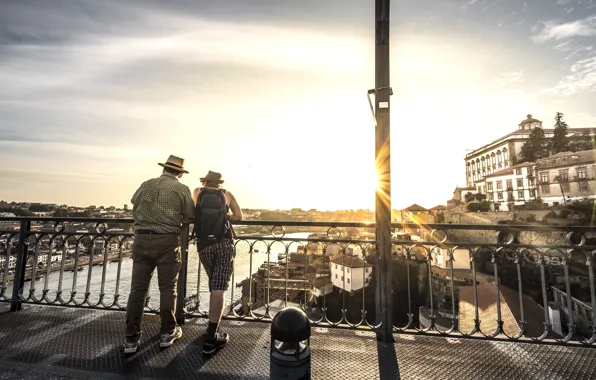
x=161, y=205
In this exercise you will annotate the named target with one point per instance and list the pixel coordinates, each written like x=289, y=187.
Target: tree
x=560, y=142
x=582, y=141
x=536, y=147
x=558, y=179
x=61, y=212
x=470, y=197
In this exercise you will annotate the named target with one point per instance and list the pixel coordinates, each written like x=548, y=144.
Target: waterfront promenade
x=44, y=342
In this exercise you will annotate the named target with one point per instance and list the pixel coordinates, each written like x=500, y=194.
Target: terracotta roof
x=350, y=262
x=465, y=188
x=510, y=310
x=439, y=207
x=523, y=165
x=321, y=281
x=500, y=173
x=415, y=207
x=585, y=156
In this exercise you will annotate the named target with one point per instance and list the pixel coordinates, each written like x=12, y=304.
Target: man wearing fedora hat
x=217, y=257
x=160, y=207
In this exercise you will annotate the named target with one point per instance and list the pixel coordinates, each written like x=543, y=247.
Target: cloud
x=509, y=78
x=581, y=79
x=555, y=30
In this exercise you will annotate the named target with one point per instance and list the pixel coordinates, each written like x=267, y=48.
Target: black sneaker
x=219, y=341
x=168, y=339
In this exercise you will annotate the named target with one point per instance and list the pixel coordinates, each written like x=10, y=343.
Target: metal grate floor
x=43, y=342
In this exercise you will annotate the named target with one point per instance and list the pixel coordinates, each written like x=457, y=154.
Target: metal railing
x=512, y=282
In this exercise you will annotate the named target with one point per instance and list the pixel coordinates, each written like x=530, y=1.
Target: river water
x=242, y=269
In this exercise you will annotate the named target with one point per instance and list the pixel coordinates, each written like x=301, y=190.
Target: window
x=506, y=162
x=532, y=193
x=366, y=270
x=500, y=196
x=348, y=280
x=518, y=171
x=342, y=278
x=489, y=186
x=530, y=170
x=520, y=194
x=545, y=189
x=499, y=185
x=509, y=184
x=563, y=175
x=544, y=177
x=336, y=275
x=531, y=181
x=520, y=183
x=583, y=186
x=335, y=266
x=581, y=173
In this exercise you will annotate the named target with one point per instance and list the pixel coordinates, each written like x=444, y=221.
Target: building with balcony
x=503, y=153
x=350, y=273
x=566, y=176
x=510, y=187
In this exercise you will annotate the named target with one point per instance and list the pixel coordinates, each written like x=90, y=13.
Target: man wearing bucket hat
x=215, y=243
x=160, y=207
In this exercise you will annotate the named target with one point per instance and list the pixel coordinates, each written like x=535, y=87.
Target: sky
x=272, y=94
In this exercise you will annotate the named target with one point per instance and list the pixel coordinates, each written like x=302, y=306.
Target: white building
x=504, y=152
x=12, y=261
x=349, y=273
x=510, y=187
x=440, y=258
x=322, y=286
x=566, y=176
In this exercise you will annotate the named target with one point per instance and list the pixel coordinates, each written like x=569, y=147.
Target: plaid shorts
x=218, y=261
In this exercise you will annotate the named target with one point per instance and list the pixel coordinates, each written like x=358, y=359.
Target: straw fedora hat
x=175, y=163
x=212, y=177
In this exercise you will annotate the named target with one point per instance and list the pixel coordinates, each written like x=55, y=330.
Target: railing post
x=180, y=312
x=19, y=278
x=383, y=166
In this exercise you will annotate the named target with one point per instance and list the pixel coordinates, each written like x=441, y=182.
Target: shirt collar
x=169, y=175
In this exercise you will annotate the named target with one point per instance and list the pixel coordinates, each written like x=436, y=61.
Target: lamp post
x=382, y=93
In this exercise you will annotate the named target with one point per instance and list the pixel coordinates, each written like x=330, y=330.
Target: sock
x=211, y=330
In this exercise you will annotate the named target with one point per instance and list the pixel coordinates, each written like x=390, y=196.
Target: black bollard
x=290, y=345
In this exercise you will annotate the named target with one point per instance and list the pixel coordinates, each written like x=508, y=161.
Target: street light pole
x=382, y=93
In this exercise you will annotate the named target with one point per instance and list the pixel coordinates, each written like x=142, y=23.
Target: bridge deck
x=48, y=343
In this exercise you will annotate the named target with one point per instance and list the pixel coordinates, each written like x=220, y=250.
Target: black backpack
x=211, y=222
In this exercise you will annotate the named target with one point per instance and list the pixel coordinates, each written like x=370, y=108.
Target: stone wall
x=506, y=217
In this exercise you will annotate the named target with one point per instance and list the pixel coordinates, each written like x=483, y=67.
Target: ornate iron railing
x=513, y=282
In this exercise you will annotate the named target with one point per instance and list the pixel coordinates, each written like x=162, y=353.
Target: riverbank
x=68, y=265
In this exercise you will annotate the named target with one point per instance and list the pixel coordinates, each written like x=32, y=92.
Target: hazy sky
x=273, y=93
